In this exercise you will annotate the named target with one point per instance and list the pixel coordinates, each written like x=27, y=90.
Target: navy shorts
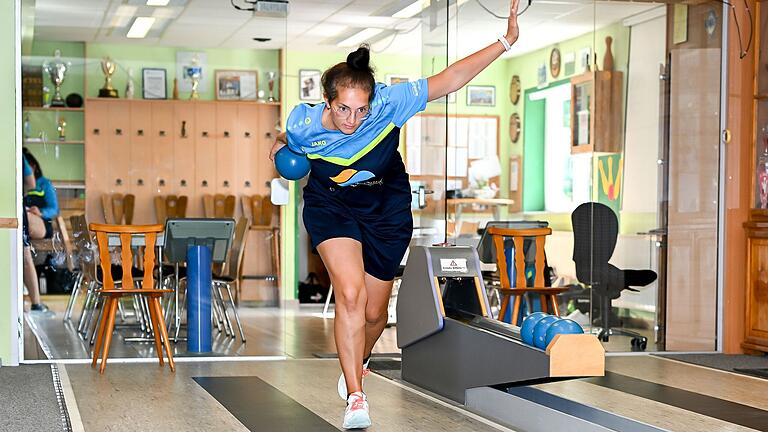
x=384, y=238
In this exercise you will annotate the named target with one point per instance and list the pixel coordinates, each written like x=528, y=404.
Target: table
x=495, y=203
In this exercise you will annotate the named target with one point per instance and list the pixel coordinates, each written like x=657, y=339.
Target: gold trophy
x=61, y=127
x=108, y=66
x=271, y=76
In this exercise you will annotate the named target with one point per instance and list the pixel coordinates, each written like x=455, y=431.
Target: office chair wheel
x=639, y=343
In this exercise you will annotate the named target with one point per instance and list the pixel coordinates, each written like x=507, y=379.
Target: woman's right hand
x=280, y=142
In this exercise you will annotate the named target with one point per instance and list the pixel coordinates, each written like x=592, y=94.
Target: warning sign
x=458, y=265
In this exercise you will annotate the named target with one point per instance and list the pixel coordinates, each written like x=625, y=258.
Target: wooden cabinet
x=597, y=112
x=192, y=148
x=756, y=337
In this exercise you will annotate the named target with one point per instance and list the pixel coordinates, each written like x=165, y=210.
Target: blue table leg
x=199, y=299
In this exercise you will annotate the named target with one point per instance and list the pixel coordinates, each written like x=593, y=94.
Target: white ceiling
x=318, y=24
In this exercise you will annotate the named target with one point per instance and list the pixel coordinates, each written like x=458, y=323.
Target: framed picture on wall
x=153, y=83
x=237, y=84
x=309, y=85
x=481, y=96
x=396, y=79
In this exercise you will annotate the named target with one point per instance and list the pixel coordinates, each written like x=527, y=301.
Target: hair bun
x=360, y=59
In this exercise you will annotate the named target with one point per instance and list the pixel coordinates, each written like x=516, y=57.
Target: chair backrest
x=160, y=212
x=118, y=208
x=234, y=263
x=208, y=206
x=260, y=209
x=126, y=233
x=518, y=237
x=595, y=232
x=85, y=247
x=247, y=204
x=170, y=206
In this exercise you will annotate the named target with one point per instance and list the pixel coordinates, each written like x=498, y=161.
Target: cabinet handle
x=226, y=183
x=226, y=134
x=96, y=131
x=118, y=131
x=205, y=183
x=183, y=183
x=184, y=129
x=141, y=132
x=205, y=134
x=247, y=183
x=268, y=135
x=119, y=182
x=161, y=182
x=162, y=133
x=247, y=134
x=140, y=182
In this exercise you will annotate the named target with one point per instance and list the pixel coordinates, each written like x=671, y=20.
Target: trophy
x=271, y=76
x=129, y=86
x=194, y=72
x=61, y=127
x=56, y=70
x=108, y=66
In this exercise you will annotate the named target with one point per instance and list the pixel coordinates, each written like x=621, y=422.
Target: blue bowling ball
x=540, y=330
x=563, y=326
x=291, y=165
x=526, y=330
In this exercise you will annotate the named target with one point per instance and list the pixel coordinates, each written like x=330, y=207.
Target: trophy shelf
x=277, y=104
x=30, y=108
x=53, y=141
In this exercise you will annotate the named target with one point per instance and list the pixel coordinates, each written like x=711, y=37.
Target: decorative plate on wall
x=514, y=89
x=514, y=127
x=554, y=62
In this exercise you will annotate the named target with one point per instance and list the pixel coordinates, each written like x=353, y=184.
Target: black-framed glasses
x=344, y=112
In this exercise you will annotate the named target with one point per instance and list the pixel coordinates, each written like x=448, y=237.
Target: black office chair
x=595, y=231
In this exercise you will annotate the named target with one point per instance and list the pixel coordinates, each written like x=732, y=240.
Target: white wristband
x=505, y=42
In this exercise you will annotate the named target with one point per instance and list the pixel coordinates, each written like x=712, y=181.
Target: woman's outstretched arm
x=460, y=73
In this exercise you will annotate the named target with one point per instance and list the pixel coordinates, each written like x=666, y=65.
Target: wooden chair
x=219, y=206
x=547, y=295
x=259, y=209
x=233, y=273
x=113, y=294
x=118, y=208
x=170, y=206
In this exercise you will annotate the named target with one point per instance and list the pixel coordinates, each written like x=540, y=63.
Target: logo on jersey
x=307, y=121
x=351, y=176
x=415, y=88
x=318, y=143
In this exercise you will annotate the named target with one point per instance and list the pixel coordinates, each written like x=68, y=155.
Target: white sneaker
x=342, y=385
x=356, y=415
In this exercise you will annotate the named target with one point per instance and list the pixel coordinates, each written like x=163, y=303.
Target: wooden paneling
x=226, y=156
x=246, y=142
x=96, y=181
x=118, y=163
x=162, y=148
x=757, y=293
x=205, y=148
x=142, y=165
x=184, y=133
x=268, y=120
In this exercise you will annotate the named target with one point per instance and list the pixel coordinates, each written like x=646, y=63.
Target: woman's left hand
x=513, y=31
x=35, y=211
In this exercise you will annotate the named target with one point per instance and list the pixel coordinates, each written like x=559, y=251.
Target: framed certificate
x=236, y=84
x=153, y=83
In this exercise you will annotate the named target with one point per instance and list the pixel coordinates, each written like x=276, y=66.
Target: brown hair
x=355, y=72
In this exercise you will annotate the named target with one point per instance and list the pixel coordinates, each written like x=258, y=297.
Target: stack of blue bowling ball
x=539, y=329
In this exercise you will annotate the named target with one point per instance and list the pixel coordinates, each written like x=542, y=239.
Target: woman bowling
x=357, y=199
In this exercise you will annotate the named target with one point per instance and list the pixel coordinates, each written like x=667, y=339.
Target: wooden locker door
x=183, y=133
x=162, y=150
x=246, y=139
x=97, y=175
x=205, y=150
x=268, y=118
x=118, y=162
x=226, y=155
x=142, y=162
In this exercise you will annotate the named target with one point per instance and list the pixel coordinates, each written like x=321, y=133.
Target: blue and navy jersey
x=369, y=156
x=43, y=196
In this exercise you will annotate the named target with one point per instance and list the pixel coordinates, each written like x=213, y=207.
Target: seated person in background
x=30, y=274
x=41, y=202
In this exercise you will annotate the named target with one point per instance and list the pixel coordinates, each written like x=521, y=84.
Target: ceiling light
x=158, y=2
x=140, y=27
x=414, y=8
x=359, y=37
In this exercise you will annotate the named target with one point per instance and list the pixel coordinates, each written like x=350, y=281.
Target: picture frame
x=396, y=79
x=154, y=83
x=481, y=96
x=237, y=84
x=310, y=88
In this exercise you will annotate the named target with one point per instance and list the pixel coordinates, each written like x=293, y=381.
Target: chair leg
x=504, y=306
x=328, y=300
x=155, y=324
x=555, y=307
x=73, y=296
x=227, y=321
x=164, y=333
x=237, y=315
x=515, y=311
x=544, y=303
x=86, y=306
x=100, y=334
x=111, y=312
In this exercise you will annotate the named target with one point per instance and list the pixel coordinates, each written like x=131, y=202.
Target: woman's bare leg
x=36, y=226
x=378, y=292
x=343, y=257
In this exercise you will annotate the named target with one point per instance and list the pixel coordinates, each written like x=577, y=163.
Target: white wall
x=646, y=52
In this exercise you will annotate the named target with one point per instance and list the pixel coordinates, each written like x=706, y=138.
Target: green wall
x=9, y=164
